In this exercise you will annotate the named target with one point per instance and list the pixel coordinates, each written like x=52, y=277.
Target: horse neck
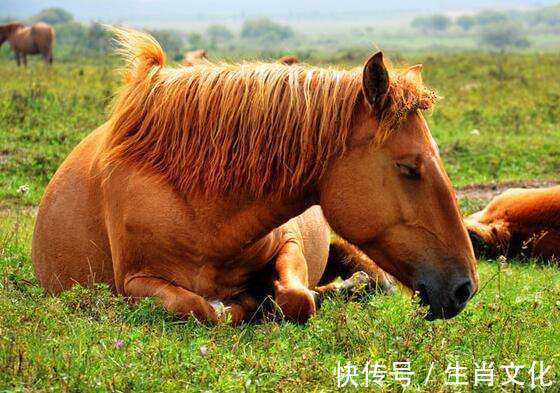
x=244, y=221
x=9, y=32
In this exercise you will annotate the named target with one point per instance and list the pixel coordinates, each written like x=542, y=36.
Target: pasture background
x=497, y=121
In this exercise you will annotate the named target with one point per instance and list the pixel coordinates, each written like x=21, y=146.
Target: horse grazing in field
x=519, y=221
x=288, y=60
x=29, y=40
x=195, y=57
x=185, y=192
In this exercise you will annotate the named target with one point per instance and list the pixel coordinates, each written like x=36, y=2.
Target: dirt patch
x=490, y=190
x=9, y=206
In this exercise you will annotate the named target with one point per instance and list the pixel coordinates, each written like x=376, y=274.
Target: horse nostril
x=463, y=293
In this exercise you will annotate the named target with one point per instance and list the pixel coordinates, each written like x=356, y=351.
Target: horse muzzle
x=446, y=301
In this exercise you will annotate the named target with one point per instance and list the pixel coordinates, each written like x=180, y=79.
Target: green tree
x=436, y=23
x=465, y=22
x=98, y=38
x=195, y=41
x=501, y=36
x=547, y=17
x=484, y=18
x=52, y=16
x=72, y=35
x=219, y=33
x=266, y=30
x=170, y=40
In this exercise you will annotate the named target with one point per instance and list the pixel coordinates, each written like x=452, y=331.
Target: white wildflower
x=23, y=189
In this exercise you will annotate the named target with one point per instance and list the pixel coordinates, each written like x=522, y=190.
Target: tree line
x=499, y=29
x=76, y=38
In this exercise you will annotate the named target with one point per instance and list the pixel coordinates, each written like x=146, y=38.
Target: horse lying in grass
x=519, y=221
x=288, y=60
x=194, y=57
x=29, y=40
x=182, y=194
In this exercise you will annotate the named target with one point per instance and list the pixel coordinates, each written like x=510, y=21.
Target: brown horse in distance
x=194, y=57
x=519, y=221
x=183, y=194
x=29, y=40
x=288, y=60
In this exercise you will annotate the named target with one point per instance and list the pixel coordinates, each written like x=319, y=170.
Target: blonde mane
x=254, y=128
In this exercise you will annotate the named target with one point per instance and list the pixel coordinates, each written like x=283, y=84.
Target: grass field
x=499, y=120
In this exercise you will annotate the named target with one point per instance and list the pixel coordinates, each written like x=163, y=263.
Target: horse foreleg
x=174, y=298
x=356, y=270
x=291, y=291
x=18, y=61
x=47, y=56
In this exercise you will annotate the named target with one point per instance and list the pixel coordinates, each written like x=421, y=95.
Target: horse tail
x=144, y=56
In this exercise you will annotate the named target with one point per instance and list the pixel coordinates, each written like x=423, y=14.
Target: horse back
x=526, y=207
x=43, y=35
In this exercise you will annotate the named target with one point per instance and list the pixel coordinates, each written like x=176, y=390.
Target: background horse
x=193, y=57
x=29, y=40
x=519, y=221
x=288, y=60
x=179, y=194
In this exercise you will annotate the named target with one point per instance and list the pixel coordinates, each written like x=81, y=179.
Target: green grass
x=68, y=343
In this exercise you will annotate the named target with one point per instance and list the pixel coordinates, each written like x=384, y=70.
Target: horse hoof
x=356, y=283
x=220, y=308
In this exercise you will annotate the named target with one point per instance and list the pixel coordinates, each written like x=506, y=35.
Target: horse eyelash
x=411, y=172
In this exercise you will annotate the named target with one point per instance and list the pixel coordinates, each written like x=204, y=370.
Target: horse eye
x=409, y=171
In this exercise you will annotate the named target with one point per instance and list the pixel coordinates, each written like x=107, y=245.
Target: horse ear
x=375, y=82
x=414, y=73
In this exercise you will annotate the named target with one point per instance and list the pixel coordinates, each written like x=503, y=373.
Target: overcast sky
x=139, y=11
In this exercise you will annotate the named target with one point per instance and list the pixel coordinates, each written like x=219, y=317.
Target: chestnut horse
x=288, y=60
x=183, y=193
x=519, y=221
x=194, y=57
x=29, y=40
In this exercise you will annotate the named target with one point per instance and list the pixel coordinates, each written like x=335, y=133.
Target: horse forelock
x=253, y=128
x=405, y=96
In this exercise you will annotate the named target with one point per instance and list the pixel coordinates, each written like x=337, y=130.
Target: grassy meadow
x=498, y=121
